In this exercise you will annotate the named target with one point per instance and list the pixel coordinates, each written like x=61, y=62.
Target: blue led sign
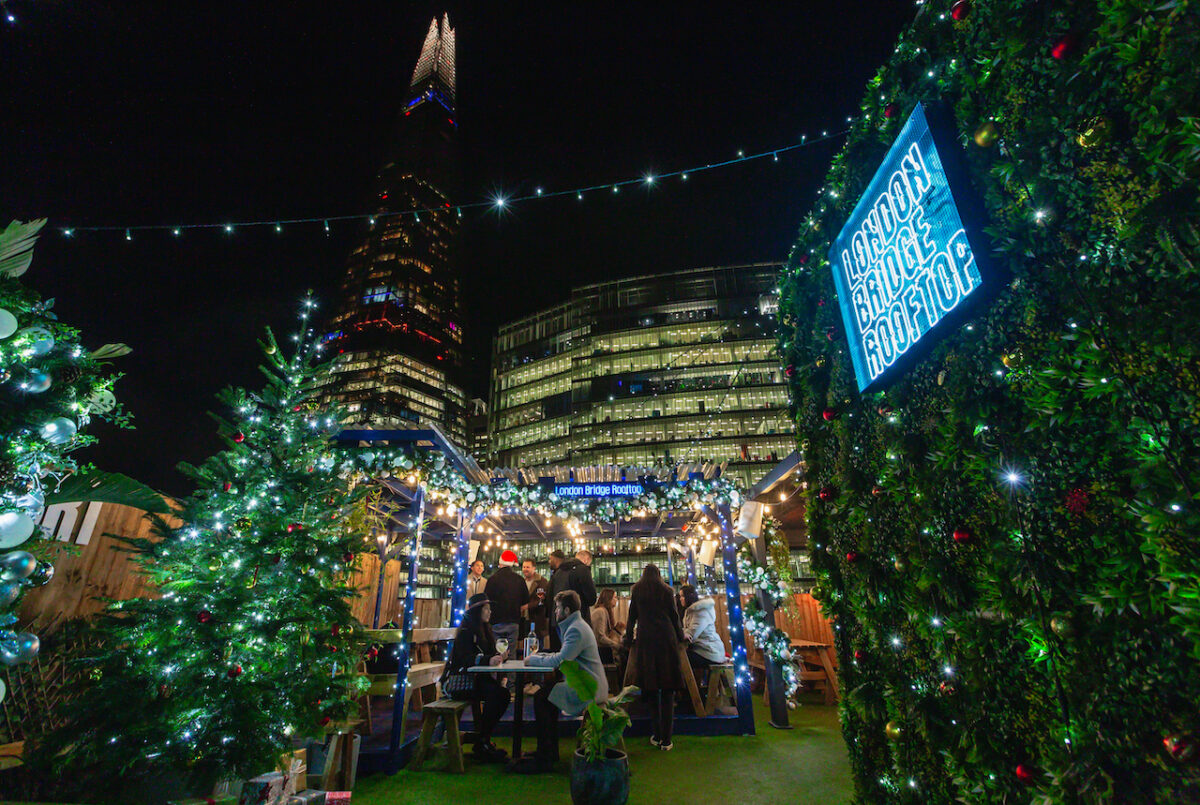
x=904, y=261
x=598, y=490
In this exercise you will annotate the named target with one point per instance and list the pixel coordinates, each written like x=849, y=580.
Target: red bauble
x=1064, y=47
x=372, y=653
x=859, y=655
x=325, y=720
x=347, y=558
x=1077, y=501
x=790, y=370
x=1024, y=773
x=295, y=409
x=884, y=410
x=831, y=333
x=227, y=486
x=830, y=414
x=821, y=302
x=946, y=689
x=204, y=616
x=827, y=493
x=803, y=259
x=293, y=527
x=853, y=556
x=877, y=490
x=960, y=10
x=962, y=535
x=234, y=672
x=891, y=110
x=1180, y=746
x=239, y=437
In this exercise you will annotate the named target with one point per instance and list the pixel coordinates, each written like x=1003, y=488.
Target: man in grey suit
x=579, y=644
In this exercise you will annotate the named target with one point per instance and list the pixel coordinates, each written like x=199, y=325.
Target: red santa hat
x=508, y=559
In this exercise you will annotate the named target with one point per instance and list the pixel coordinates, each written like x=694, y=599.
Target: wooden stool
x=449, y=711
x=720, y=685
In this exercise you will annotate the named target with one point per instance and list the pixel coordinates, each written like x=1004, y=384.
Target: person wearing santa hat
x=508, y=593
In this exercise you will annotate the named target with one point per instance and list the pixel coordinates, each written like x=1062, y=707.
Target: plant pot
x=600, y=782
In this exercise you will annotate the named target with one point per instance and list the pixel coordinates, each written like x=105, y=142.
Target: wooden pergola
x=413, y=504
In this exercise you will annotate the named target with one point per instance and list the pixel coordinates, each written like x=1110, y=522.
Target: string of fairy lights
x=497, y=202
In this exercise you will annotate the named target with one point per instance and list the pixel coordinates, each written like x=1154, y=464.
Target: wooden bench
x=719, y=676
x=423, y=671
x=449, y=712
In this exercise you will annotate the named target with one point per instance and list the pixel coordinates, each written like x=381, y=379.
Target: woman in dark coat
x=474, y=644
x=653, y=628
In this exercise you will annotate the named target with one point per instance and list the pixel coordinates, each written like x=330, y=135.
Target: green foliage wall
x=1050, y=652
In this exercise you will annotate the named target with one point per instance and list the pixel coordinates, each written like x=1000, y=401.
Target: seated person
x=704, y=646
x=579, y=644
x=474, y=644
x=609, y=631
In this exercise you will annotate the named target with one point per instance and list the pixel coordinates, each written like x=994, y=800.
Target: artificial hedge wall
x=1008, y=536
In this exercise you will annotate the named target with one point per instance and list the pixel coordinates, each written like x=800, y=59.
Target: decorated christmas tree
x=1005, y=524
x=251, y=643
x=50, y=388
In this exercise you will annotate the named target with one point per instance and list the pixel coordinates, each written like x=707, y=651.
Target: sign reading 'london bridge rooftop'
x=904, y=261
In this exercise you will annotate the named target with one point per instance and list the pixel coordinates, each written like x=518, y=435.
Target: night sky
x=116, y=113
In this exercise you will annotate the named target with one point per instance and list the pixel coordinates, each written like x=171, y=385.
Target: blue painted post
x=414, y=560
x=737, y=620
x=670, y=567
x=691, y=566
x=458, y=590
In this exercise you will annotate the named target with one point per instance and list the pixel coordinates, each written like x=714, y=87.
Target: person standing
x=654, y=631
x=574, y=574
x=536, y=610
x=508, y=594
x=474, y=644
x=475, y=580
x=579, y=644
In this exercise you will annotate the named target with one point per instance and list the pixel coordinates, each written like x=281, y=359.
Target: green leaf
x=16, y=247
x=579, y=680
x=109, y=487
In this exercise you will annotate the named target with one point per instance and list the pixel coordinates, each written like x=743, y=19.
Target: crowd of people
x=572, y=622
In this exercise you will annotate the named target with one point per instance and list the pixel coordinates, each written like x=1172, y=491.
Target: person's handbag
x=459, y=685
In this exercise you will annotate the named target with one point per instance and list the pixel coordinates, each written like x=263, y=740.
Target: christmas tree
x=1006, y=533
x=251, y=643
x=50, y=388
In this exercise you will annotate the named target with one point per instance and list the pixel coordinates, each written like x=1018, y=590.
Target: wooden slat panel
x=103, y=568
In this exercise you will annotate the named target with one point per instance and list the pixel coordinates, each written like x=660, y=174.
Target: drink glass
x=502, y=645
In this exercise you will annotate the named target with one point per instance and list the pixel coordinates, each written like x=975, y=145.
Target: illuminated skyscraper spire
x=434, y=73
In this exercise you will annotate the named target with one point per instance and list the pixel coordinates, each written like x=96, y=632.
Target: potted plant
x=600, y=771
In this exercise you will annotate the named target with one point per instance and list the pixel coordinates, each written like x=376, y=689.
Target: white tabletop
x=509, y=667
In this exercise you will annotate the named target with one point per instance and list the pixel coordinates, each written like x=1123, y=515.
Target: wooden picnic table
x=825, y=657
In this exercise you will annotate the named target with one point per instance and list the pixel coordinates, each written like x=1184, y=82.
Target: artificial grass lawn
x=807, y=764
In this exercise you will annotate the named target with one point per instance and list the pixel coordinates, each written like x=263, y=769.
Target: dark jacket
x=539, y=608
x=470, y=648
x=572, y=575
x=653, y=628
x=507, y=591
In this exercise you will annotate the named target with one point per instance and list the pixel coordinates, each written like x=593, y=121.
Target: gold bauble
x=1095, y=132
x=214, y=564
x=987, y=135
x=899, y=565
x=1013, y=360
x=892, y=730
x=270, y=349
x=820, y=361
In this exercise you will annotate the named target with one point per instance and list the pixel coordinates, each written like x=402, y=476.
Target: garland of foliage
x=1006, y=536
x=455, y=492
x=774, y=642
